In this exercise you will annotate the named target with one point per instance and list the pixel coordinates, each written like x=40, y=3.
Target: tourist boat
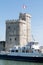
x=23, y=53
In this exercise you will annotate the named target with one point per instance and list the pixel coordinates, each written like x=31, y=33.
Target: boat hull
x=22, y=58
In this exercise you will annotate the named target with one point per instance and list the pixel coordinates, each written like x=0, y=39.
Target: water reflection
x=7, y=62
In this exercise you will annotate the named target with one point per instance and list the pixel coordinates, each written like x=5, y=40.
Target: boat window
x=16, y=51
x=12, y=50
x=23, y=51
x=32, y=48
x=27, y=51
x=39, y=51
x=32, y=51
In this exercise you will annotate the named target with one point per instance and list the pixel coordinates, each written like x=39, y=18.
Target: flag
x=24, y=6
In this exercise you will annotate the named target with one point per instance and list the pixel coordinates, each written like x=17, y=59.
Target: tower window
x=23, y=18
x=9, y=27
x=10, y=39
x=14, y=28
x=15, y=38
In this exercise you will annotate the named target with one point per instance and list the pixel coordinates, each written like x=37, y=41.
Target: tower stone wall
x=18, y=32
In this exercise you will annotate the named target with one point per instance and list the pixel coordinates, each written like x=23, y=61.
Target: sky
x=10, y=9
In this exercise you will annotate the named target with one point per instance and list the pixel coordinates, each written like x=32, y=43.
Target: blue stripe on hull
x=21, y=58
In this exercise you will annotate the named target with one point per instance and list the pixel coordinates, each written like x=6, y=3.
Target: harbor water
x=8, y=62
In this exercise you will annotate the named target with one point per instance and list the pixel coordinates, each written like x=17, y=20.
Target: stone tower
x=18, y=32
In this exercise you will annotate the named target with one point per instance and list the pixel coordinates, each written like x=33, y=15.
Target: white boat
x=24, y=53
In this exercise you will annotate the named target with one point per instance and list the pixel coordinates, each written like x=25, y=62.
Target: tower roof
x=25, y=15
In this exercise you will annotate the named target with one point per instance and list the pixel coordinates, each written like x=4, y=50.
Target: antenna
x=33, y=37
